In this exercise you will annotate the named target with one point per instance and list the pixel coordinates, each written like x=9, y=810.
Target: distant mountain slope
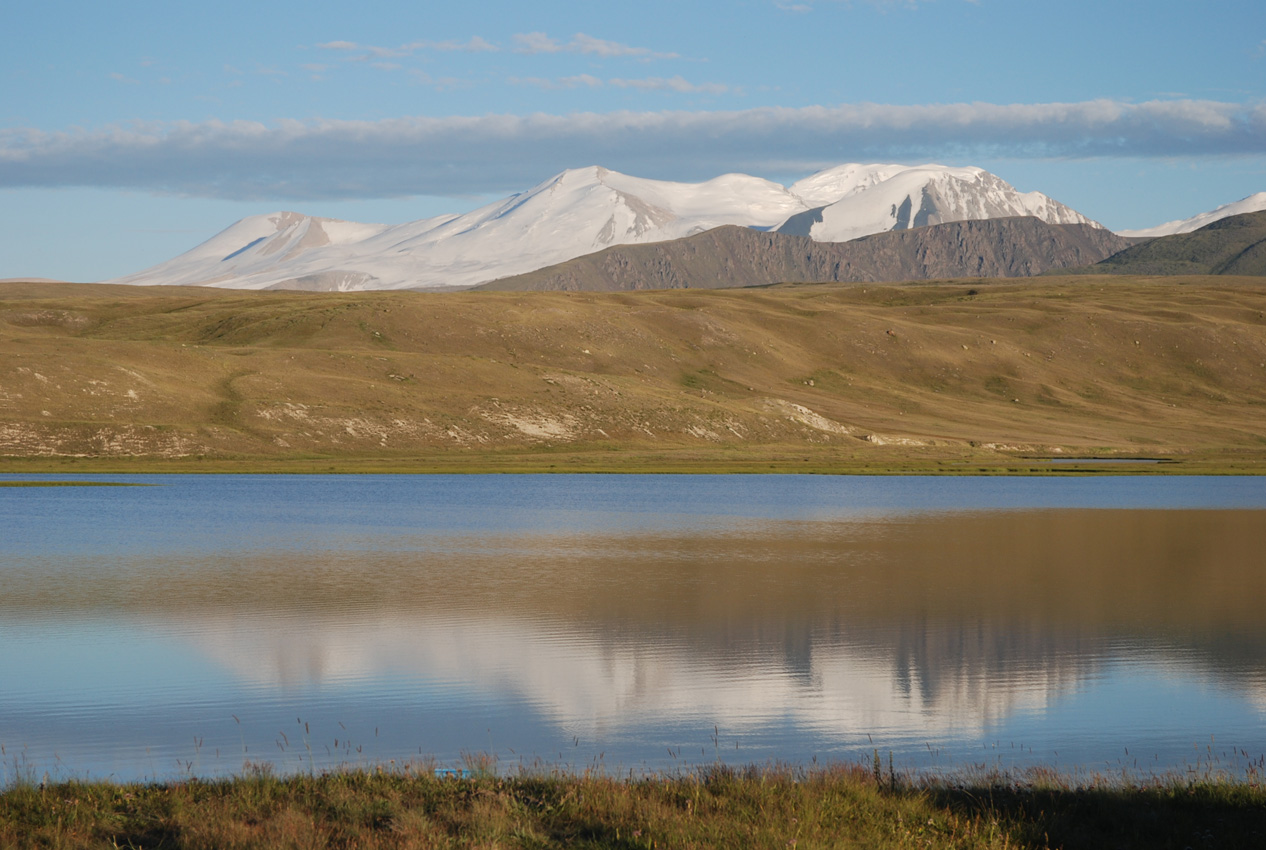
x=579, y=212
x=1234, y=245
x=574, y=213
x=852, y=201
x=735, y=256
x=1253, y=203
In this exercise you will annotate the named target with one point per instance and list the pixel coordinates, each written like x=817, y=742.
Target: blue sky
x=131, y=131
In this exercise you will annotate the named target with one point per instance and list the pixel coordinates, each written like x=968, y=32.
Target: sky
x=132, y=131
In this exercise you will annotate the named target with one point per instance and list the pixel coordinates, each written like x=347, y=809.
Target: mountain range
x=582, y=212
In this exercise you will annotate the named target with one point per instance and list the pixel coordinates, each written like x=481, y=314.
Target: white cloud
x=650, y=84
x=536, y=42
x=361, y=52
x=474, y=45
x=586, y=44
x=575, y=82
x=539, y=42
x=587, y=80
x=497, y=153
x=673, y=84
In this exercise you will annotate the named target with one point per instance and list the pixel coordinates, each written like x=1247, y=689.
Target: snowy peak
x=1253, y=203
x=254, y=243
x=878, y=198
x=828, y=186
x=581, y=211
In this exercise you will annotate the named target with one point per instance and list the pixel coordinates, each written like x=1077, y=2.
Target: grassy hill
x=959, y=375
x=1230, y=246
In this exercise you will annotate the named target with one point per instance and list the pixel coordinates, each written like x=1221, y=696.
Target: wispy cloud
x=355, y=51
x=671, y=84
x=422, y=78
x=539, y=42
x=675, y=84
x=473, y=45
x=468, y=155
x=561, y=83
x=532, y=43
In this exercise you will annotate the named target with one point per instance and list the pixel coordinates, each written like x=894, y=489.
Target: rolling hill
x=957, y=375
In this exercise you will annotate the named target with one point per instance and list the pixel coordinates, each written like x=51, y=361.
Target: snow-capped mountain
x=852, y=201
x=577, y=212
x=1253, y=203
x=582, y=211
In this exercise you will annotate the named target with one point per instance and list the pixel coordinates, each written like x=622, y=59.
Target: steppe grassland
x=956, y=375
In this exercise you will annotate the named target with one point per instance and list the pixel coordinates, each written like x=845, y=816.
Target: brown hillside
x=960, y=371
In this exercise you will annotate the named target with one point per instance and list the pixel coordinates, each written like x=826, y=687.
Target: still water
x=631, y=622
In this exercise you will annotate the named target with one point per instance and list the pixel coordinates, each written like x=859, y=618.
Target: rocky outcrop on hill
x=737, y=256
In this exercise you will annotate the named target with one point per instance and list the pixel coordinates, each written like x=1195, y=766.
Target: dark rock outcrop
x=737, y=256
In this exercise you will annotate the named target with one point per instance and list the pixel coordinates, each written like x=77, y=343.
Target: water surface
x=633, y=622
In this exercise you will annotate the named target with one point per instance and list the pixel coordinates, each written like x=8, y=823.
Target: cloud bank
x=455, y=156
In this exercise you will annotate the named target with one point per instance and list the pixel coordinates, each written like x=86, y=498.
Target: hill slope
x=830, y=374
x=1229, y=246
x=734, y=257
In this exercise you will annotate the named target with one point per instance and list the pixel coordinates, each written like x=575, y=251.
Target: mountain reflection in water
x=905, y=629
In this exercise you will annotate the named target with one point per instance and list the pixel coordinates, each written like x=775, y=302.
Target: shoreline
x=844, y=804
x=804, y=462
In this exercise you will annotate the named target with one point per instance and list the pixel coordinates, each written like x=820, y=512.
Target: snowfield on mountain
x=1253, y=203
x=579, y=212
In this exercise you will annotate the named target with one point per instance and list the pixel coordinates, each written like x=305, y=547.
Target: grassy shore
x=845, y=806
x=806, y=461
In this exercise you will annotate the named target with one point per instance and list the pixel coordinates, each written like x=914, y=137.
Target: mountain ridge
x=1253, y=203
x=1235, y=245
x=730, y=257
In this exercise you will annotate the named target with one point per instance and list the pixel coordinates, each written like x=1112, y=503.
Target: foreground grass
x=837, y=807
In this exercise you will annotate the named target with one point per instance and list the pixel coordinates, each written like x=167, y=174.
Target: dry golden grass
x=956, y=376
x=838, y=807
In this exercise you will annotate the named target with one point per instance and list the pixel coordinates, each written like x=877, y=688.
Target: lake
x=630, y=623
